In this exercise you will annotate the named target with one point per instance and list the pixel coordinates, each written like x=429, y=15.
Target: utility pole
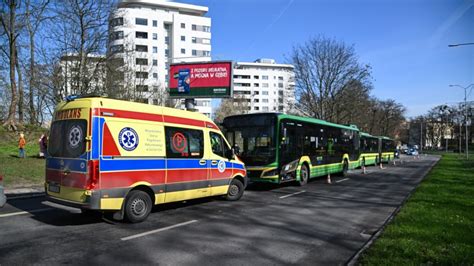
x=421, y=135
x=466, y=115
x=467, y=135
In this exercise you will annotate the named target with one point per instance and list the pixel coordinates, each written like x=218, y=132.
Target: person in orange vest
x=21, y=145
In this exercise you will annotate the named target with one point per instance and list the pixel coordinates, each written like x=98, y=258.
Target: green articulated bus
x=387, y=148
x=369, y=149
x=278, y=148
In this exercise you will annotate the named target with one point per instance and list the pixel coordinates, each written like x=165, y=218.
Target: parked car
x=3, y=198
x=412, y=151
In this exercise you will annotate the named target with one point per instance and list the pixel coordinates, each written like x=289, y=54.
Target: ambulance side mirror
x=230, y=154
x=236, y=150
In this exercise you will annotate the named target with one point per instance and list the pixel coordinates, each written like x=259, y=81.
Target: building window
x=155, y=101
x=116, y=22
x=265, y=85
x=256, y=100
x=155, y=75
x=265, y=108
x=280, y=78
x=167, y=53
x=280, y=85
x=155, y=23
x=264, y=100
x=155, y=49
x=264, y=92
x=256, y=108
x=141, y=87
x=183, y=38
x=256, y=85
x=255, y=77
x=141, y=21
x=141, y=61
x=141, y=75
x=141, y=35
x=116, y=49
x=167, y=26
x=155, y=62
x=206, y=53
x=206, y=28
x=183, y=26
x=141, y=48
x=265, y=77
x=183, y=51
x=194, y=52
x=116, y=35
x=155, y=88
x=155, y=36
x=194, y=27
x=167, y=40
x=194, y=40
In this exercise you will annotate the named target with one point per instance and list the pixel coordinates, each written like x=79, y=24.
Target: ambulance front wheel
x=236, y=190
x=138, y=206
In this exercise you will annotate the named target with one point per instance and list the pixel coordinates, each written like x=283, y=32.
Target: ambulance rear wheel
x=137, y=206
x=236, y=190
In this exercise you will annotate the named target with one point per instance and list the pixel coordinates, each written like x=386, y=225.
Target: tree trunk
x=21, y=95
x=32, y=80
x=11, y=119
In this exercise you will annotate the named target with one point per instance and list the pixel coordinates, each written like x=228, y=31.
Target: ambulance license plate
x=54, y=188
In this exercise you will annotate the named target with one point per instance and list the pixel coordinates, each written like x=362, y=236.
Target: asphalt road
x=312, y=225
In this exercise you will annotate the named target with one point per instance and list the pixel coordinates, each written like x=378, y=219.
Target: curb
x=24, y=193
x=354, y=259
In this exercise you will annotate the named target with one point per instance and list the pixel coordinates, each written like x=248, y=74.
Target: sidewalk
x=24, y=192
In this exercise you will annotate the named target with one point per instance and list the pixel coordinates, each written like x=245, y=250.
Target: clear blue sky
x=405, y=41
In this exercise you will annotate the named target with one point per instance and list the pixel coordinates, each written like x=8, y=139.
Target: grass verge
x=436, y=225
x=19, y=172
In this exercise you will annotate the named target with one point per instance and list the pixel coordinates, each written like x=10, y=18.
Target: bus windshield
x=255, y=137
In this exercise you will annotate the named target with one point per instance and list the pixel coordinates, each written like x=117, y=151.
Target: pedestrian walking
x=43, y=145
x=21, y=146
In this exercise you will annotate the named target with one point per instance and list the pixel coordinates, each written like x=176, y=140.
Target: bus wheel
x=304, y=175
x=137, y=206
x=236, y=190
x=345, y=168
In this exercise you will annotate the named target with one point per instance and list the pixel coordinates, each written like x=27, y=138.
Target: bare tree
x=232, y=106
x=82, y=34
x=324, y=69
x=35, y=16
x=9, y=23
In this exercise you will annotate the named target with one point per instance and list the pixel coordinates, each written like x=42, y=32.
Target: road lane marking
x=157, y=230
x=342, y=180
x=292, y=194
x=24, y=212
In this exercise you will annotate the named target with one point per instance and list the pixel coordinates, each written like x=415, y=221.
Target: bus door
x=221, y=169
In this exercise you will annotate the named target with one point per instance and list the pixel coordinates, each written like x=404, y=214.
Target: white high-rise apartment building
x=151, y=34
x=266, y=85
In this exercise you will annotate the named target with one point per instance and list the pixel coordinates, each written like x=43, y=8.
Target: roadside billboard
x=201, y=80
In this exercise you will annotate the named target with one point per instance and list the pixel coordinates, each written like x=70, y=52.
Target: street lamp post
x=466, y=115
x=465, y=96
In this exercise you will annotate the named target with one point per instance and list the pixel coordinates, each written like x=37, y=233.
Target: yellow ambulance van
x=124, y=157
